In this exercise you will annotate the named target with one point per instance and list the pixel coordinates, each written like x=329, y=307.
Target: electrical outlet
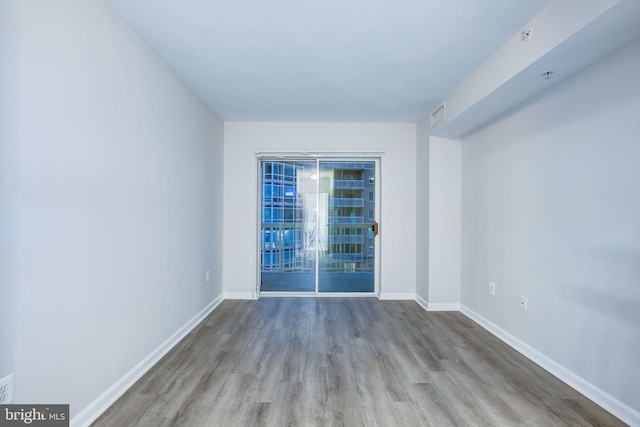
x=492, y=288
x=523, y=303
x=207, y=275
x=6, y=390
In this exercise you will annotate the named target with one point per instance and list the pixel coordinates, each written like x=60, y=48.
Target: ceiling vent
x=439, y=115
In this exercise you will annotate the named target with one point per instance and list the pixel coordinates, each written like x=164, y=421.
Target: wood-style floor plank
x=346, y=362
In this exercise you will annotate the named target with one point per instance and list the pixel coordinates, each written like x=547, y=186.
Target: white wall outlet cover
x=6, y=390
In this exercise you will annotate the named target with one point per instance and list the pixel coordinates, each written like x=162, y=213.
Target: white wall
x=551, y=209
x=422, y=211
x=445, y=217
x=117, y=175
x=398, y=201
x=8, y=146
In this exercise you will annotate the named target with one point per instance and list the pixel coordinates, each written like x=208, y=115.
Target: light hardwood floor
x=347, y=362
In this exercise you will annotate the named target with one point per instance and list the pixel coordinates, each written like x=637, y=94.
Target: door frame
x=375, y=157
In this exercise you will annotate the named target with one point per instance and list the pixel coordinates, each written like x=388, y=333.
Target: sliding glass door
x=347, y=264
x=316, y=231
x=289, y=227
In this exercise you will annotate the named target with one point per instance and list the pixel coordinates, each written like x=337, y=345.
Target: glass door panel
x=289, y=231
x=346, y=212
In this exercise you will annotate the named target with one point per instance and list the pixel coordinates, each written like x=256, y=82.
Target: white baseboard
x=106, y=399
x=437, y=306
x=401, y=297
x=608, y=402
x=239, y=295
x=423, y=302
x=443, y=306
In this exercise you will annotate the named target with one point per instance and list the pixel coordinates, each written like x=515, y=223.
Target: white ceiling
x=326, y=60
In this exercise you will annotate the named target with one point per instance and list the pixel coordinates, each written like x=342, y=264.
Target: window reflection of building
x=282, y=216
x=351, y=207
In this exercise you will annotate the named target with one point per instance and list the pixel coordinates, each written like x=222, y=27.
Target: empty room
x=322, y=213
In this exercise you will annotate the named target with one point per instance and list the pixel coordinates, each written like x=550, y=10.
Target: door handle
x=374, y=228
